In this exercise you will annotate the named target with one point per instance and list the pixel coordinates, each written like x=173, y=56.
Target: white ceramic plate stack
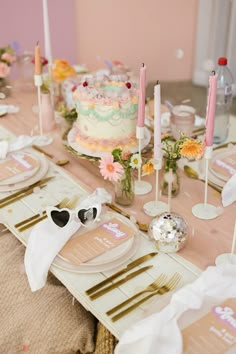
x=110, y=259
x=222, y=165
x=28, y=177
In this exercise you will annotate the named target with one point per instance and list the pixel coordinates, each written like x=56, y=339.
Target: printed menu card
x=214, y=333
x=16, y=164
x=86, y=246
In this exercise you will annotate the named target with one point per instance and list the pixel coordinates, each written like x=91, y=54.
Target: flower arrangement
x=70, y=115
x=116, y=167
x=185, y=146
x=62, y=70
x=7, y=58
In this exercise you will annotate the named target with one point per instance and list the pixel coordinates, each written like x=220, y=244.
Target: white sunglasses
x=61, y=217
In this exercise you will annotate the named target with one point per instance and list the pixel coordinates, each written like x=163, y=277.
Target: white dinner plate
x=82, y=150
x=108, y=260
x=43, y=169
x=21, y=176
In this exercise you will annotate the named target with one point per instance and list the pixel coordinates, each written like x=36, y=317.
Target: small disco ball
x=169, y=231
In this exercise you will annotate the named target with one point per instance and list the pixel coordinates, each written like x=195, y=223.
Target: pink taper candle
x=141, y=101
x=211, y=106
x=157, y=122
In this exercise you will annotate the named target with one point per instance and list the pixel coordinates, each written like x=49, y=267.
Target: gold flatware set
x=159, y=287
x=24, y=192
x=163, y=289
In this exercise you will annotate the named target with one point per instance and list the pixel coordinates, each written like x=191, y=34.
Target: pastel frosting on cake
x=107, y=109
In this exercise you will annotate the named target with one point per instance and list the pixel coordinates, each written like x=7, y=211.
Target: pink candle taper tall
x=141, y=101
x=211, y=105
x=157, y=122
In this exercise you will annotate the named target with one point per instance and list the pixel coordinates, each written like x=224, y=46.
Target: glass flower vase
x=124, y=189
x=170, y=164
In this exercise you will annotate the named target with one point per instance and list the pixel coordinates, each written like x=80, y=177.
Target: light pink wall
x=136, y=31
x=22, y=21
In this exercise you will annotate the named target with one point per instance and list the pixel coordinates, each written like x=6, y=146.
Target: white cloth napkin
x=159, y=333
x=228, y=193
x=47, y=239
x=21, y=142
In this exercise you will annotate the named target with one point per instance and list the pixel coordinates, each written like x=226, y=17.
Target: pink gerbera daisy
x=109, y=169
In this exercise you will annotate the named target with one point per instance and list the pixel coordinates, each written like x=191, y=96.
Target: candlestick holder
x=156, y=207
x=204, y=210
x=38, y=83
x=228, y=257
x=141, y=187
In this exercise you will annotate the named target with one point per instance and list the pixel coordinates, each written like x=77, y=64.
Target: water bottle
x=224, y=97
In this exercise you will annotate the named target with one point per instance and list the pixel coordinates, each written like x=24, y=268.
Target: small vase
x=48, y=121
x=124, y=189
x=170, y=164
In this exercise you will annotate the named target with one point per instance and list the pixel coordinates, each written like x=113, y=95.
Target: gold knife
x=13, y=200
x=32, y=186
x=39, y=149
x=129, y=266
x=116, y=284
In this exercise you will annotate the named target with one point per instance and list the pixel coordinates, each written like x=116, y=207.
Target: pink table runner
x=207, y=238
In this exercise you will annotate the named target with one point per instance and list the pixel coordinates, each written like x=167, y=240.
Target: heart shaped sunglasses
x=61, y=217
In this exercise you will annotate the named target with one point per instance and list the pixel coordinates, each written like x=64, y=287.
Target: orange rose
x=62, y=70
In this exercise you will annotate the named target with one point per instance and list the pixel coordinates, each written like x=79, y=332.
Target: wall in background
x=159, y=33
x=22, y=21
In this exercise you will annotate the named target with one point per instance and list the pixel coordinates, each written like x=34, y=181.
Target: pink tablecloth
x=207, y=238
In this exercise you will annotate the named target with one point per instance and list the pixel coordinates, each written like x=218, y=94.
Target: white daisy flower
x=135, y=161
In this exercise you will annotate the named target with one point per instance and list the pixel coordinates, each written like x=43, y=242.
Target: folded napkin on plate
x=21, y=142
x=159, y=333
x=228, y=193
x=47, y=239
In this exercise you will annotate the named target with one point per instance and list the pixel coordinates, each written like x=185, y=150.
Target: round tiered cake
x=107, y=108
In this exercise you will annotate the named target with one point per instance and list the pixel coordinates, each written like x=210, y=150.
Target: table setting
x=134, y=235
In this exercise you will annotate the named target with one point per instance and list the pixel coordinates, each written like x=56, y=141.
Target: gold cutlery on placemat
x=23, y=192
x=39, y=149
x=170, y=285
x=119, y=282
x=156, y=285
x=129, y=266
x=142, y=227
x=224, y=145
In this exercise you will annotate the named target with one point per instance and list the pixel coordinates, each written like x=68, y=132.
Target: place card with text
x=86, y=246
x=214, y=333
x=17, y=164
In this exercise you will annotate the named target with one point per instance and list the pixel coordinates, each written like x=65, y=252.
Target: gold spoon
x=62, y=162
x=190, y=172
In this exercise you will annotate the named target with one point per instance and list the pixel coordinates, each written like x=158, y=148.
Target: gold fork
x=172, y=283
x=157, y=284
x=71, y=204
